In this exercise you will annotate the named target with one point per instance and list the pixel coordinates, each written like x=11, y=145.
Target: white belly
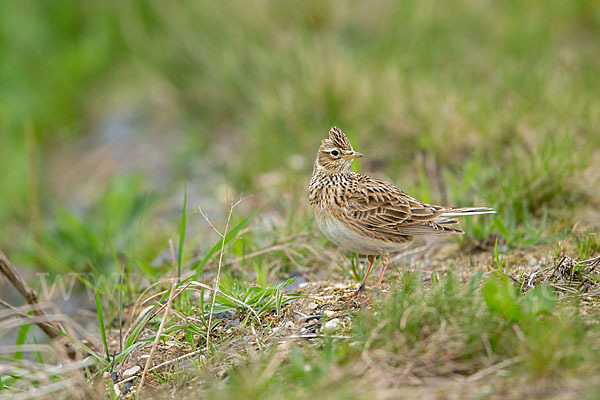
x=349, y=240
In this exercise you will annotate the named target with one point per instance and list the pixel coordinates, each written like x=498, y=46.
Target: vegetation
x=115, y=115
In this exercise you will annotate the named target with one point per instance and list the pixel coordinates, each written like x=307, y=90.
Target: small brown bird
x=367, y=215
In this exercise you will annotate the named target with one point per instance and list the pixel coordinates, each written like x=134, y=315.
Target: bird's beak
x=352, y=156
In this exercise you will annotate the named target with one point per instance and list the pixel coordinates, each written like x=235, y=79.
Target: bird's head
x=336, y=153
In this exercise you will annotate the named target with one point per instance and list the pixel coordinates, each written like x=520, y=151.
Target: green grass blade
x=21, y=336
x=118, y=359
x=101, y=324
x=134, y=335
x=182, y=233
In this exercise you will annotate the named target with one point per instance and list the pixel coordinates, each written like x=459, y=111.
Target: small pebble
x=312, y=306
x=131, y=371
x=233, y=323
x=127, y=387
x=331, y=326
x=329, y=313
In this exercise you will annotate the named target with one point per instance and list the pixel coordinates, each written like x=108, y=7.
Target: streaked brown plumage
x=368, y=215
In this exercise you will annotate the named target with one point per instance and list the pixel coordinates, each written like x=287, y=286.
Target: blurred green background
x=107, y=109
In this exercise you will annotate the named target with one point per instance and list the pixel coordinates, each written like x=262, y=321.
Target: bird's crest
x=339, y=138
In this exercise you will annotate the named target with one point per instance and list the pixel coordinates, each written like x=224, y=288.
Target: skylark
x=367, y=215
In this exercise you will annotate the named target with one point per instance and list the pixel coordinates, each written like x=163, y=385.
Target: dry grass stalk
x=158, y=335
x=222, y=251
x=164, y=364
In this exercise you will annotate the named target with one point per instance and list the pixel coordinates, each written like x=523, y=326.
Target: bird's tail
x=463, y=211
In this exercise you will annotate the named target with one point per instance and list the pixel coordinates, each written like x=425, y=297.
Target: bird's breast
x=350, y=240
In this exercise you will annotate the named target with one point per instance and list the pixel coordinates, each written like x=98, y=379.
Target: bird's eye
x=335, y=153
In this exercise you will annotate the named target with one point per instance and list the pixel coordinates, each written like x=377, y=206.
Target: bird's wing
x=378, y=209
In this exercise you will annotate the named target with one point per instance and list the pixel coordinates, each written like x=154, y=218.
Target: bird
x=367, y=215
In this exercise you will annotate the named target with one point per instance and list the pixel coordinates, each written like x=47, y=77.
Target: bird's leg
x=362, y=284
x=385, y=261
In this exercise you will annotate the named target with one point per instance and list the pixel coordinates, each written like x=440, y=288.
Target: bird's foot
x=360, y=291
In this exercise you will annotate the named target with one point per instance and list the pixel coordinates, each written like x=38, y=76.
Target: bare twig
x=51, y=329
x=30, y=295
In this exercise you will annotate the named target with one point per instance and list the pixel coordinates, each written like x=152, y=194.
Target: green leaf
x=540, y=300
x=500, y=298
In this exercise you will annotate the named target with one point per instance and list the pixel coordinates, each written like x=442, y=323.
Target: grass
x=403, y=339
x=357, y=268
x=464, y=104
x=587, y=245
x=475, y=329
